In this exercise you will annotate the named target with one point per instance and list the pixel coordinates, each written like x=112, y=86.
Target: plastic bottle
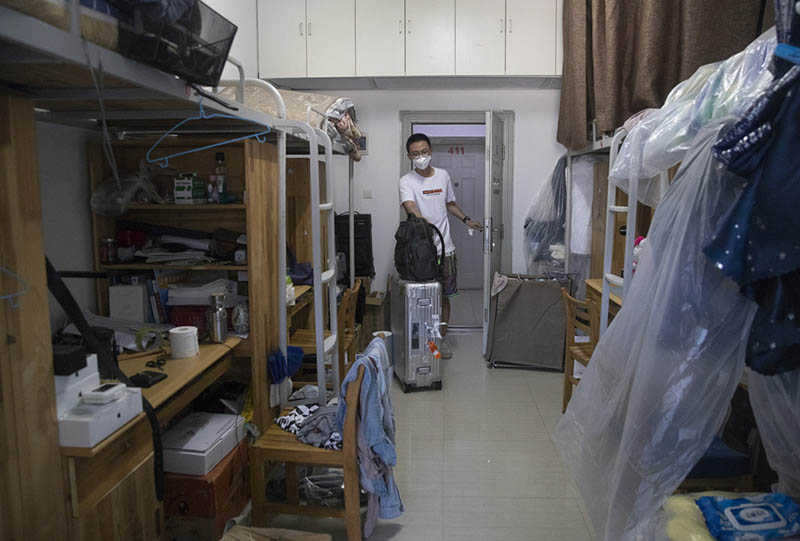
x=219, y=175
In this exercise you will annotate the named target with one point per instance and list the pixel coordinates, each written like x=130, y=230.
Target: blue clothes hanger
x=163, y=161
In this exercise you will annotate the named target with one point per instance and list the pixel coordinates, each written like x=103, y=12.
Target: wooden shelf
x=173, y=207
x=151, y=266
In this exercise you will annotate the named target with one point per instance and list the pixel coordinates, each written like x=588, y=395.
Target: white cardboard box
x=197, y=443
x=128, y=302
x=65, y=382
x=71, y=396
x=87, y=424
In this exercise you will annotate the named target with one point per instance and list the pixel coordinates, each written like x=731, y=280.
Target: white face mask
x=422, y=162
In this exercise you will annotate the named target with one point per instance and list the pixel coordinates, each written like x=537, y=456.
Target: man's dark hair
x=416, y=138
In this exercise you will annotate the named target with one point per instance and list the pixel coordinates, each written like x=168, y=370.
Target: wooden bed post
x=261, y=163
x=32, y=495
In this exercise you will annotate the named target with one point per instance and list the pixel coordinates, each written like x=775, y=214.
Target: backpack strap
x=62, y=294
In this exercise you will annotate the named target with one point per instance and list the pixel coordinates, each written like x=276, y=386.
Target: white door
x=559, y=36
x=281, y=38
x=493, y=213
x=480, y=37
x=465, y=163
x=331, y=32
x=430, y=37
x=380, y=38
x=531, y=37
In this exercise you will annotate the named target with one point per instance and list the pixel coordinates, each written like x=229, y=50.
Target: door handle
x=400, y=26
x=502, y=26
x=510, y=25
x=309, y=28
x=408, y=26
x=300, y=28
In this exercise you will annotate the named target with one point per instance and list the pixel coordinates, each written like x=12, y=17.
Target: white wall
x=65, y=209
x=535, y=155
x=242, y=13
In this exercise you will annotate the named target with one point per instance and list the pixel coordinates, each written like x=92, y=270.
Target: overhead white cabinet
x=531, y=37
x=559, y=37
x=430, y=37
x=380, y=38
x=330, y=38
x=480, y=37
x=281, y=38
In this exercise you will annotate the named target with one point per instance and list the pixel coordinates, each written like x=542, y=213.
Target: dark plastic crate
x=194, y=47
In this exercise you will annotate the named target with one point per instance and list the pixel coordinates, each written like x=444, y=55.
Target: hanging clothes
x=757, y=244
x=657, y=387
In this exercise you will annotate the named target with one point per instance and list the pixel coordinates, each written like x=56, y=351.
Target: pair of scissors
x=158, y=363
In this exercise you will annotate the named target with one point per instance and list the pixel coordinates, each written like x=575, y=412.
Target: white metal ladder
x=612, y=209
x=325, y=347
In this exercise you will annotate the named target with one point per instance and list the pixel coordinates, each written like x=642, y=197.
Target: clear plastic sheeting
x=658, y=385
x=776, y=403
x=545, y=225
x=662, y=138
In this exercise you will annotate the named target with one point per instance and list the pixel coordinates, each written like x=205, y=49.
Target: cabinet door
x=531, y=37
x=559, y=37
x=430, y=37
x=480, y=37
x=380, y=38
x=281, y=38
x=331, y=38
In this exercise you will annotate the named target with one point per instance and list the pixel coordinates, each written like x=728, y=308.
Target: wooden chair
x=277, y=445
x=346, y=325
x=576, y=316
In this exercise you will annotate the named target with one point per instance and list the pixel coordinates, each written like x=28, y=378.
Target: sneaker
x=444, y=349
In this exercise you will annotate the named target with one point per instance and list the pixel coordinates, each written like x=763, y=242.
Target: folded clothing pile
x=313, y=425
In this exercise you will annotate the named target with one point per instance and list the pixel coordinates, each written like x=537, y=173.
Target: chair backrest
x=349, y=442
x=346, y=315
x=576, y=317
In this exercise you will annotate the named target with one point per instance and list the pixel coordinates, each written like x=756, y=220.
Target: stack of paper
x=198, y=294
x=186, y=257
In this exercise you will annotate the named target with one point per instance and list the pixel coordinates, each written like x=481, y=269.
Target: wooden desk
x=594, y=295
x=102, y=479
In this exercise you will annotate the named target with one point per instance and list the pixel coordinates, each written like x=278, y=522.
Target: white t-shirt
x=431, y=195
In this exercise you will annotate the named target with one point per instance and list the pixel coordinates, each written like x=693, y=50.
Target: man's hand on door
x=473, y=224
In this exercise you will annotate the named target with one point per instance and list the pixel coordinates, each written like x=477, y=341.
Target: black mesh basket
x=183, y=37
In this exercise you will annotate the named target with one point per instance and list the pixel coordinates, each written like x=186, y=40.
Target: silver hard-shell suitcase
x=416, y=312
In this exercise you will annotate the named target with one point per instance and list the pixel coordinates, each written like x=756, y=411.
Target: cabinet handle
x=309, y=29
x=400, y=26
x=409, y=26
x=300, y=28
x=502, y=26
x=510, y=25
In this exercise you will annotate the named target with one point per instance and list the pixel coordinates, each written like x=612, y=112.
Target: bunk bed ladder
x=326, y=347
x=612, y=209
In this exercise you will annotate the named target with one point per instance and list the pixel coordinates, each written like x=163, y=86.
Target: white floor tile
x=476, y=460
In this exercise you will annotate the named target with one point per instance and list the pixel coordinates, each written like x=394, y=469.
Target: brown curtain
x=622, y=56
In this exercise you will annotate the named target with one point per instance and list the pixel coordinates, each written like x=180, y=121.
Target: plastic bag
x=112, y=200
x=662, y=139
x=659, y=382
x=776, y=403
x=545, y=225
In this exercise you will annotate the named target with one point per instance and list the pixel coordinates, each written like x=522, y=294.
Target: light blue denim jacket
x=376, y=427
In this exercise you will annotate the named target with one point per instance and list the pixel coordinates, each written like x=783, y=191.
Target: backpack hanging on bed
x=415, y=255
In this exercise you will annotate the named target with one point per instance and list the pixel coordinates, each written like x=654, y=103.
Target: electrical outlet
x=366, y=194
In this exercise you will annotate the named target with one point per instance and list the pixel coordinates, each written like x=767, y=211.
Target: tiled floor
x=475, y=460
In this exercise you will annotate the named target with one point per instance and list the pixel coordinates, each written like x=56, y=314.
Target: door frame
x=407, y=118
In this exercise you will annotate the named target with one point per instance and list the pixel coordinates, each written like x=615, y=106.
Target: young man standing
x=427, y=192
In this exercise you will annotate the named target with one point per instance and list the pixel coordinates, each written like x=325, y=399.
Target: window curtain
x=621, y=57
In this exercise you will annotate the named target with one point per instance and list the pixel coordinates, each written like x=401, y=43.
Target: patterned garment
x=313, y=426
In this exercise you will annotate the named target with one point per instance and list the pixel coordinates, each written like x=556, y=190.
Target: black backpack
x=415, y=252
